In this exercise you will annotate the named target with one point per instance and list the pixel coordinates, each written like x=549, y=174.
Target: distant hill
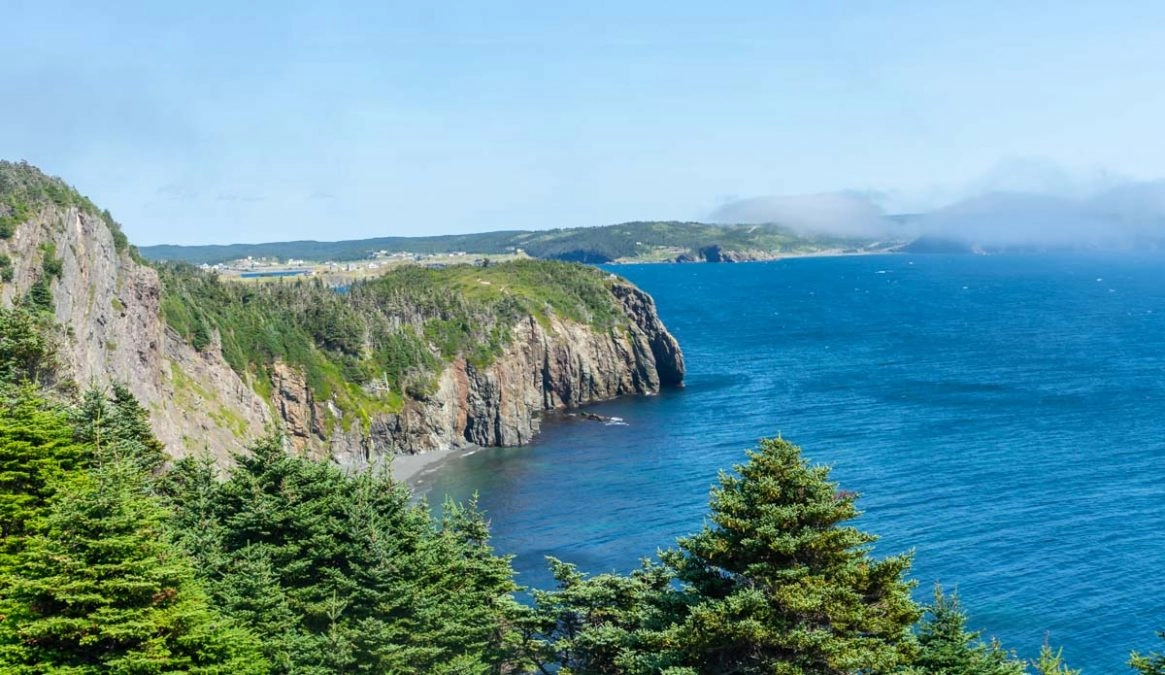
x=626, y=241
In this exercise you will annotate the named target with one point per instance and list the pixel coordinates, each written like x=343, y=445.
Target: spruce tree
x=948, y=648
x=340, y=573
x=1052, y=662
x=36, y=448
x=779, y=583
x=469, y=590
x=1149, y=664
x=27, y=352
x=100, y=589
x=609, y=623
x=117, y=427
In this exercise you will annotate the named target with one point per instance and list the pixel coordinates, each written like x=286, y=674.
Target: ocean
x=1001, y=416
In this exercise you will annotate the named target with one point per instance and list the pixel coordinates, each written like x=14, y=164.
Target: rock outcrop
x=109, y=306
x=717, y=254
x=556, y=367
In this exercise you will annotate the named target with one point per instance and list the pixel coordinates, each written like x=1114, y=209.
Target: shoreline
x=414, y=470
x=825, y=253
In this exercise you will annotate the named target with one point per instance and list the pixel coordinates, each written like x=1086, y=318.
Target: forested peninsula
x=189, y=484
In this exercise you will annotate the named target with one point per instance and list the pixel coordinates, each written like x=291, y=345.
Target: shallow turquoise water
x=1002, y=416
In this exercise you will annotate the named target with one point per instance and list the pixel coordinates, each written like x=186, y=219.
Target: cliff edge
x=415, y=361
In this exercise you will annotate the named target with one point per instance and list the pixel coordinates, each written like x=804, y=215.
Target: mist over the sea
x=1024, y=205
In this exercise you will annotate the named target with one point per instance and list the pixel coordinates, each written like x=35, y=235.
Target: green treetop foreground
x=113, y=562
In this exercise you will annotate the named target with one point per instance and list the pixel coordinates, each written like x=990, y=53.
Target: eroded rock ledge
x=557, y=367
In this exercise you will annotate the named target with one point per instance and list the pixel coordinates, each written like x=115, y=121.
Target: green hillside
x=637, y=240
x=397, y=329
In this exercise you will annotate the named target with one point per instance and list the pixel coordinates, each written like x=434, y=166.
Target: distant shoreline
x=830, y=253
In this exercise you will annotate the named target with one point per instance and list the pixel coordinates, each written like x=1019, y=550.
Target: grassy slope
x=386, y=338
x=590, y=244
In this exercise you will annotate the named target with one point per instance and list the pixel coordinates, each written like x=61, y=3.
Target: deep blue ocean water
x=1003, y=416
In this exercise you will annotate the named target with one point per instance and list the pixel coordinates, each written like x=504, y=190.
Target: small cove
x=1002, y=416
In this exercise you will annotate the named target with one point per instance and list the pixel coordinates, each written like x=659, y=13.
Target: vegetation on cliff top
x=367, y=349
x=581, y=244
x=386, y=338
x=25, y=189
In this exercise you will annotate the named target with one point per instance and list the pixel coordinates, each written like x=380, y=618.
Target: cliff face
x=109, y=305
x=716, y=254
x=559, y=366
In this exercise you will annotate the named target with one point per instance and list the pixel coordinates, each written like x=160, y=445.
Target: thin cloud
x=177, y=192
x=239, y=197
x=834, y=213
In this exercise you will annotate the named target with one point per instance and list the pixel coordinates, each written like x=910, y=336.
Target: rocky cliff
x=113, y=330
x=107, y=306
x=718, y=254
x=558, y=366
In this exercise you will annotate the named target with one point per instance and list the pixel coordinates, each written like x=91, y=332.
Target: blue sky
x=216, y=122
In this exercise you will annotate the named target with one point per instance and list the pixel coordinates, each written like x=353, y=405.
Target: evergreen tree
x=101, y=590
x=1052, y=663
x=36, y=448
x=192, y=489
x=40, y=296
x=609, y=623
x=27, y=353
x=779, y=583
x=1149, y=664
x=117, y=427
x=469, y=590
x=948, y=648
x=339, y=573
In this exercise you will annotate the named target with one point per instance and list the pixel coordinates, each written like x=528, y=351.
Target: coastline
x=414, y=470
x=824, y=253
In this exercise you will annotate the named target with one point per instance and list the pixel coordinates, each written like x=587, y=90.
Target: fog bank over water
x=1129, y=215
x=837, y=213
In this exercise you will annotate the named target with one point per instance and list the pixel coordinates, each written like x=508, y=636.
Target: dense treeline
x=340, y=573
x=108, y=563
x=386, y=338
x=113, y=562
x=580, y=244
x=90, y=579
